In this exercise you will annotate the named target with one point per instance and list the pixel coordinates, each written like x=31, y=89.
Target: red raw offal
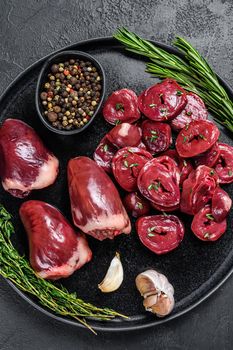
x=205, y=227
x=158, y=181
x=164, y=209
x=195, y=109
x=156, y=136
x=208, y=158
x=184, y=165
x=198, y=189
x=104, y=153
x=56, y=250
x=25, y=163
x=224, y=165
x=196, y=138
x=121, y=106
x=95, y=202
x=124, y=135
x=126, y=165
x=160, y=233
x=162, y=101
x=136, y=205
x=221, y=204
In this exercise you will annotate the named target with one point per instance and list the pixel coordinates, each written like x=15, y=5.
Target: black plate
x=196, y=269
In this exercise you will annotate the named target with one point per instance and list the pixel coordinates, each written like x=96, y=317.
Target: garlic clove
x=114, y=276
x=157, y=292
x=163, y=306
x=145, y=285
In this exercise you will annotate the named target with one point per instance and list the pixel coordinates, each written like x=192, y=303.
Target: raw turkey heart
x=95, y=202
x=25, y=163
x=56, y=250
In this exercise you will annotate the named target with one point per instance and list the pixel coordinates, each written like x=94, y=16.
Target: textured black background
x=31, y=29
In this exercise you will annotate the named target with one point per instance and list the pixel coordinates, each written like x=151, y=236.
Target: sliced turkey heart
x=160, y=233
x=156, y=136
x=195, y=109
x=162, y=101
x=122, y=135
x=208, y=158
x=136, y=205
x=184, y=165
x=121, y=106
x=158, y=181
x=164, y=208
x=56, y=250
x=126, y=165
x=205, y=227
x=224, y=165
x=196, y=138
x=104, y=153
x=198, y=189
x=25, y=163
x=221, y=204
x=95, y=202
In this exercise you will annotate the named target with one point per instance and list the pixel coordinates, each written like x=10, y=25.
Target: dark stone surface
x=32, y=29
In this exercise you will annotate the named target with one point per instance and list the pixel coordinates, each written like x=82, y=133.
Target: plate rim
x=123, y=325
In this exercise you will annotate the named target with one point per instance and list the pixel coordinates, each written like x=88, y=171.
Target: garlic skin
x=157, y=292
x=114, y=276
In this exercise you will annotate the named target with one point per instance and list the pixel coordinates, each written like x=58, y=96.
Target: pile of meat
x=167, y=177
x=137, y=154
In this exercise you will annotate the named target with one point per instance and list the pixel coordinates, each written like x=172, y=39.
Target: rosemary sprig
x=16, y=268
x=193, y=72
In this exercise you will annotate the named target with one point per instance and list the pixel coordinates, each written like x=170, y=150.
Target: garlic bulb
x=114, y=276
x=158, y=293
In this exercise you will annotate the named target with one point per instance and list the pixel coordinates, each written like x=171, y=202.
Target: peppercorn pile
x=71, y=94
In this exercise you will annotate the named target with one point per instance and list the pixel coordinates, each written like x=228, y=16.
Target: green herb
x=206, y=235
x=139, y=205
x=212, y=172
x=126, y=164
x=105, y=148
x=179, y=93
x=133, y=164
x=152, y=105
x=153, y=132
x=186, y=127
x=185, y=138
x=230, y=173
x=117, y=122
x=151, y=229
x=154, y=137
x=150, y=187
x=192, y=72
x=16, y=268
x=154, y=186
x=163, y=110
x=130, y=150
x=189, y=113
x=209, y=217
x=202, y=137
x=120, y=107
x=151, y=234
x=165, y=214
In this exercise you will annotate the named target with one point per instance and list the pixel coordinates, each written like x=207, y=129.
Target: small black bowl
x=62, y=57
